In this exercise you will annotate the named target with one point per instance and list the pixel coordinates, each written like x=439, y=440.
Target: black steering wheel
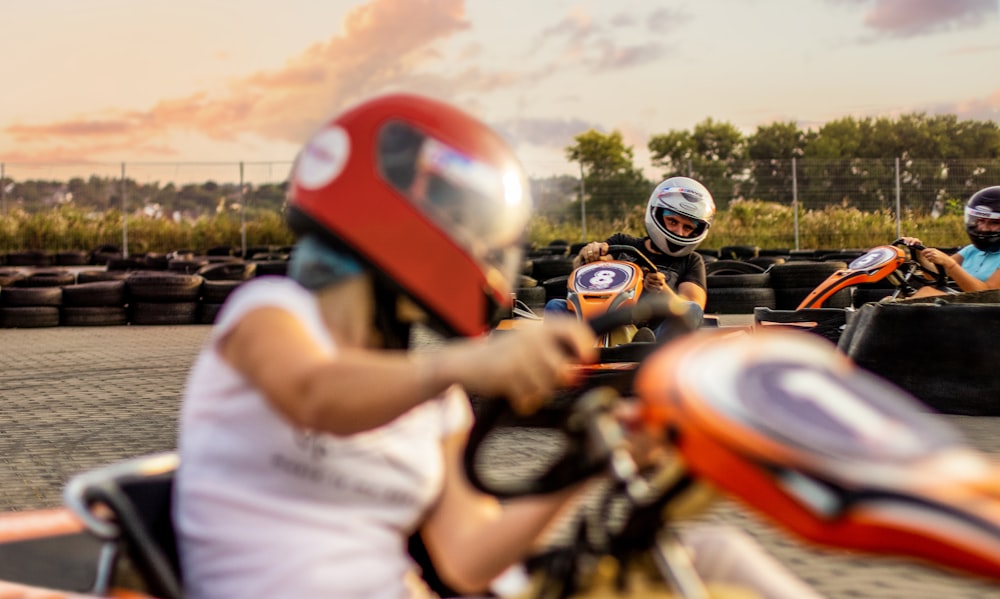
x=913, y=266
x=633, y=251
x=585, y=452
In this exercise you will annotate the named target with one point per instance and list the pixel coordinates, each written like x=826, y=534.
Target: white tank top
x=265, y=509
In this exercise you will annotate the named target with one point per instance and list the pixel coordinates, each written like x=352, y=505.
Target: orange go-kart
x=597, y=288
x=881, y=262
x=783, y=423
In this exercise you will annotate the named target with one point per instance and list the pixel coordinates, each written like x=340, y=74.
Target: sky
x=180, y=86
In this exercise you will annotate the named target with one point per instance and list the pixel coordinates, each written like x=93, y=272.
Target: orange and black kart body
x=792, y=428
x=881, y=262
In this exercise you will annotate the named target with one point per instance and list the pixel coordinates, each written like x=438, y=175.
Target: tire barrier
x=792, y=281
x=938, y=351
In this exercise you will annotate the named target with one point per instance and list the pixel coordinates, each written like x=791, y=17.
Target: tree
x=770, y=151
x=612, y=182
x=712, y=153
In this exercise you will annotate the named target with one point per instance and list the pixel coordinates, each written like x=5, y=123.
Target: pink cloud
x=382, y=46
x=907, y=18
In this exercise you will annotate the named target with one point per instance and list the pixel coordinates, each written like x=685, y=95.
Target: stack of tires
x=163, y=298
x=737, y=287
x=32, y=300
x=793, y=281
x=218, y=281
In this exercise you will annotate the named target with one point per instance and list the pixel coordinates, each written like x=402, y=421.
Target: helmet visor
x=981, y=217
x=681, y=225
x=484, y=208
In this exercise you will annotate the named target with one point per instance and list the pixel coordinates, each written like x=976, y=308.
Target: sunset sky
x=186, y=81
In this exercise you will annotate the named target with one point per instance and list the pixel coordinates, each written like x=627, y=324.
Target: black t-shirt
x=690, y=268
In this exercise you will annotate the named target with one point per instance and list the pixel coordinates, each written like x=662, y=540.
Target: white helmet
x=684, y=197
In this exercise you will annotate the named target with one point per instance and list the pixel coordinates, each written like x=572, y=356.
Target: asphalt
x=76, y=398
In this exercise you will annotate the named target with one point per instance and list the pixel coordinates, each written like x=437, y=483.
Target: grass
x=766, y=225
x=770, y=225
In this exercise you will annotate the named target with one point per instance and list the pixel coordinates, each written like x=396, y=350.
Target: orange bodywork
x=874, y=265
x=40, y=524
x=784, y=423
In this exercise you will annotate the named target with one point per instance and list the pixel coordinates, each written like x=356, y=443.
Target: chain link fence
x=239, y=204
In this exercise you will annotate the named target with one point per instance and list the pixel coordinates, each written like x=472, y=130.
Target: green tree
x=770, y=151
x=712, y=153
x=612, y=182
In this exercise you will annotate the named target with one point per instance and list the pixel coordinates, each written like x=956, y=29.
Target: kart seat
x=127, y=505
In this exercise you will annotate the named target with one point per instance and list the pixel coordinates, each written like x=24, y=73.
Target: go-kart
x=595, y=288
x=775, y=419
x=892, y=263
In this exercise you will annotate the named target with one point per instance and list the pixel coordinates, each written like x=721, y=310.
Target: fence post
x=243, y=218
x=898, y=203
x=583, y=206
x=795, y=203
x=124, y=216
x=3, y=189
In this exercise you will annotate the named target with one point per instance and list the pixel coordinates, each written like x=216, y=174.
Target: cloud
x=587, y=44
x=973, y=109
x=544, y=132
x=910, y=18
x=383, y=46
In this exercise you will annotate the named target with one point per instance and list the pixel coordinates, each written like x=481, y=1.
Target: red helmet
x=431, y=199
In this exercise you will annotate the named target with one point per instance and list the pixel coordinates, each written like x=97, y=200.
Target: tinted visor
x=484, y=208
x=665, y=214
x=975, y=214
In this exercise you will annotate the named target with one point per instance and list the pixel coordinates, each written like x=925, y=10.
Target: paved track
x=75, y=398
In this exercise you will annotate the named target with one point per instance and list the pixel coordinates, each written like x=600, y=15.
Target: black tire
x=732, y=267
x=29, y=258
x=97, y=293
x=547, y=267
x=93, y=316
x=533, y=297
x=208, y=312
x=28, y=317
x=228, y=271
x=216, y=292
x=163, y=287
x=90, y=276
x=738, y=300
x=187, y=267
x=10, y=277
x=271, y=267
x=31, y=296
x=168, y=313
x=805, y=273
x=738, y=252
x=155, y=261
x=49, y=278
x=760, y=279
x=556, y=287
x=72, y=258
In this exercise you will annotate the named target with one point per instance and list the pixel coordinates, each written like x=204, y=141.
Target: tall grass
x=68, y=228
x=763, y=224
x=772, y=225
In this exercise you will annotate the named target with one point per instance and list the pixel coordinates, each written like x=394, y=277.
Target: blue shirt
x=978, y=263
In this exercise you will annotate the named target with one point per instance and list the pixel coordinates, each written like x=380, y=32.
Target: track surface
x=75, y=398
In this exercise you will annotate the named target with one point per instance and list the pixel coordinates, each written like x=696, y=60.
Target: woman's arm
x=472, y=538
x=357, y=388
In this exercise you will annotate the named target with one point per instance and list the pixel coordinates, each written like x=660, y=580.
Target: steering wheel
x=913, y=265
x=588, y=438
x=634, y=251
